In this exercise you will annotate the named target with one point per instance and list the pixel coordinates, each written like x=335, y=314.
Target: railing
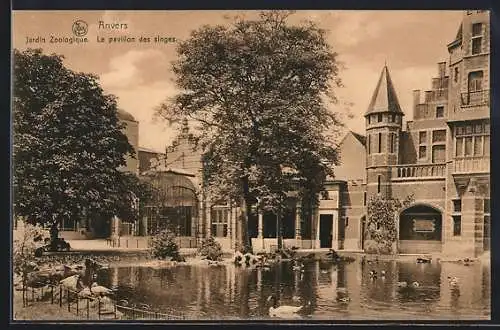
x=471, y=99
x=130, y=313
x=419, y=171
x=472, y=165
x=90, y=308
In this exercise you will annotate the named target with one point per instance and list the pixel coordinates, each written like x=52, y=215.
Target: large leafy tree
x=258, y=91
x=68, y=144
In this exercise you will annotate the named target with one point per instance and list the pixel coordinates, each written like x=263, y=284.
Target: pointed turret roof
x=384, y=97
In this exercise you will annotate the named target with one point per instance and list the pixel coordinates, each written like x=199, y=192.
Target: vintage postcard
x=251, y=165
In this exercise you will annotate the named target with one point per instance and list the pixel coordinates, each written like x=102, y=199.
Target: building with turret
x=440, y=158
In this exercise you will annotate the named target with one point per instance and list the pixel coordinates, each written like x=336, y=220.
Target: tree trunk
x=54, y=234
x=247, y=209
x=279, y=229
x=244, y=237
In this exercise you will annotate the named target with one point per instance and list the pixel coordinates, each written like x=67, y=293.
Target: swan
x=71, y=282
x=85, y=293
x=415, y=284
x=453, y=280
x=283, y=311
x=99, y=290
x=402, y=284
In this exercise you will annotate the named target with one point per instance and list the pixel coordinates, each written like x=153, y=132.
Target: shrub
x=210, y=249
x=28, y=240
x=163, y=246
x=374, y=247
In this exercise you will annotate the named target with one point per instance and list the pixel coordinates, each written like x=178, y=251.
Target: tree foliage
x=68, y=143
x=210, y=249
x=163, y=246
x=258, y=92
x=381, y=221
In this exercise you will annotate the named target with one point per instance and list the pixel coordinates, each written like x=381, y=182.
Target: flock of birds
x=73, y=281
x=69, y=277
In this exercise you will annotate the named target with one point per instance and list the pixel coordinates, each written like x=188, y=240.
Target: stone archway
x=420, y=229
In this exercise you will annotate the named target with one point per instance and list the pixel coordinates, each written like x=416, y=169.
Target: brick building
x=441, y=158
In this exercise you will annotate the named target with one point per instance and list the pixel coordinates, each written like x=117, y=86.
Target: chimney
x=442, y=69
x=428, y=96
x=416, y=97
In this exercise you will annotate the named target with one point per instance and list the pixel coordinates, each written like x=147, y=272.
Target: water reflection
x=359, y=290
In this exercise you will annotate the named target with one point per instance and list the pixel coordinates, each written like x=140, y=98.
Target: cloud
x=353, y=28
x=141, y=101
x=125, y=70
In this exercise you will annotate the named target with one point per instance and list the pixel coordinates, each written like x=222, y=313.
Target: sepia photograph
x=255, y=165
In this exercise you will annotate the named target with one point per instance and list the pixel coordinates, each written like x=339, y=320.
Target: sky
x=411, y=43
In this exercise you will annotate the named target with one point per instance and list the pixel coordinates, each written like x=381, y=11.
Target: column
x=234, y=232
x=208, y=213
x=472, y=221
x=298, y=227
x=201, y=218
x=114, y=277
x=230, y=226
x=260, y=234
x=335, y=230
x=145, y=226
x=315, y=222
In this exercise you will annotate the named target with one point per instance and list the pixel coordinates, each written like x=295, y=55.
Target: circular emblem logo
x=80, y=28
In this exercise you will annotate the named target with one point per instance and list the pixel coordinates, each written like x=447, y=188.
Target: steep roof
x=360, y=138
x=384, y=97
x=124, y=115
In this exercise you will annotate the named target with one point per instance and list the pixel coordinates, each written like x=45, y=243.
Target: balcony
x=423, y=171
x=475, y=99
x=471, y=165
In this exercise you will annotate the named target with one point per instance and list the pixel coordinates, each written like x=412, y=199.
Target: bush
x=374, y=247
x=25, y=245
x=210, y=249
x=163, y=246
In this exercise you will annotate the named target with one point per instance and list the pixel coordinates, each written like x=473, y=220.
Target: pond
x=330, y=292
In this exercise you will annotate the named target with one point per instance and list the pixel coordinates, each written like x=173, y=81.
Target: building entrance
x=325, y=230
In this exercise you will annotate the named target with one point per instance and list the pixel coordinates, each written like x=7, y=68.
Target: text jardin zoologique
x=56, y=40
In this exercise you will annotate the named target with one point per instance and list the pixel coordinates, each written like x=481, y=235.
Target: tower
x=384, y=119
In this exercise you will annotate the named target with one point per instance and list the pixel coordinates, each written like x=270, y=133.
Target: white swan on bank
x=99, y=290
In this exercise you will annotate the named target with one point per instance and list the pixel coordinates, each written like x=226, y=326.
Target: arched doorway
x=420, y=229
x=174, y=205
